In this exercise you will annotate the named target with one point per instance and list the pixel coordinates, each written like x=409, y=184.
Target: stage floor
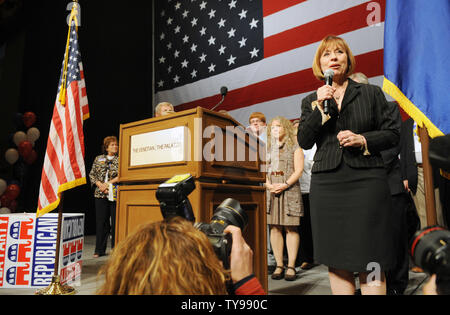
x=309, y=282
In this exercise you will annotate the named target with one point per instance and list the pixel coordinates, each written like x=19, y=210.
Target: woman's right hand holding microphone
x=325, y=92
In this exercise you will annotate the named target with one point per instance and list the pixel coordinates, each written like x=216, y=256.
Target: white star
x=185, y=14
x=177, y=29
x=212, y=67
x=242, y=42
x=212, y=41
x=254, y=52
x=203, y=31
x=184, y=64
x=231, y=60
x=176, y=54
x=177, y=6
x=185, y=39
x=193, y=48
x=169, y=46
x=243, y=14
x=212, y=14
x=162, y=59
x=169, y=70
x=162, y=36
x=222, y=23
x=169, y=21
x=232, y=4
x=222, y=50
x=194, y=73
x=194, y=22
x=176, y=79
x=161, y=83
x=253, y=23
x=202, y=58
x=202, y=5
x=231, y=33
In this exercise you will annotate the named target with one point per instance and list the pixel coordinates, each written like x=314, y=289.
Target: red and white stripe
x=64, y=166
x=293, y=30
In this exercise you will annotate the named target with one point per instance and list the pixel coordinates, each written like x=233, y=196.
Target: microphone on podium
x=223, y=91
x=328, y=81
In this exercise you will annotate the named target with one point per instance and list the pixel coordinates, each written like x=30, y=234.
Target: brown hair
x=166, y=257
x=258, y=115
x=328, y=41
x=107, y=141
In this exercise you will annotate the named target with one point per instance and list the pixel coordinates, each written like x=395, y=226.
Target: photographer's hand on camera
x=241, y=258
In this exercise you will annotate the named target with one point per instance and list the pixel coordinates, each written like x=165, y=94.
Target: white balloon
x=19, y=136
x=5, y=210
x=11, y=156
x=3, y=186
x=33, y=134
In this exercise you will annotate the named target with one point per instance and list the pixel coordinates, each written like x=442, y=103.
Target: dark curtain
x=116, y=46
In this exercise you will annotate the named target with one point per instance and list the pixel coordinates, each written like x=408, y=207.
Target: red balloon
x=25, y=148
x=12, y=191
x=29, y=118
x=30, y=159
x=4, y=199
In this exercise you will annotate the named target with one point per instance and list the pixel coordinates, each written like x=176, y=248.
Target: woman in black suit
x=349, y=196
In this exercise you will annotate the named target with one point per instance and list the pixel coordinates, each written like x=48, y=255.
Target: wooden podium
x=225, y=161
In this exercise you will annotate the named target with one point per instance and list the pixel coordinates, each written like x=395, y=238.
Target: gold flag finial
x=73, y=17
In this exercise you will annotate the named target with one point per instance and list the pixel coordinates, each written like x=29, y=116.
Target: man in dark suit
x=397, y=278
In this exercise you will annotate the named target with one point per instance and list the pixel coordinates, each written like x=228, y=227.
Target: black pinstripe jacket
x=364, y=111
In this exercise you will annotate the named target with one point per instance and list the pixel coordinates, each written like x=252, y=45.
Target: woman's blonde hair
x=166, y=257
x=289, y=137
x=332, y=41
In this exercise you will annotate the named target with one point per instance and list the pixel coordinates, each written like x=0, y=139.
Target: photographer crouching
x=173, y=257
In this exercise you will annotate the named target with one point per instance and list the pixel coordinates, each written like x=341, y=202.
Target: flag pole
x=55, y=287
x=430, y=202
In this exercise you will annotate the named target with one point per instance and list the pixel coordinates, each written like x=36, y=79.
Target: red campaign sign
x=28, y=248
x=3, y=237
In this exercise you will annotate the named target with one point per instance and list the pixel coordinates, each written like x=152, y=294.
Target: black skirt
x=351, y=219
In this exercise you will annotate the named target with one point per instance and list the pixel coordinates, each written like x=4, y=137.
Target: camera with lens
x=430, y=250
x=173, y=198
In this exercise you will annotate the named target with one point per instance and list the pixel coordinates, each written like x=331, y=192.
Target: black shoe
x=290, y=277
x=279, y=275
x=392, y=291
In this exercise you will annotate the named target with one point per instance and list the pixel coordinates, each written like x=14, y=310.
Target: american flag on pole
x=64, y=158
x=262, y=50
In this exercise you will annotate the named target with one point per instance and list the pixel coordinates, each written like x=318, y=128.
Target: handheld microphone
x=223, y=92
x=328, y=81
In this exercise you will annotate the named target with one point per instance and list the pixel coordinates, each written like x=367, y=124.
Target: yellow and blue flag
x=416, y=60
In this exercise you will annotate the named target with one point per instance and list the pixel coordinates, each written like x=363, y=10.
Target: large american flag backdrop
x=262, y=50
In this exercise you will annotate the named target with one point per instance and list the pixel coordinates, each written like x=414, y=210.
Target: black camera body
x=172, y=196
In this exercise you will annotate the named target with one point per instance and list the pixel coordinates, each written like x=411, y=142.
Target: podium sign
x=162, y=146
